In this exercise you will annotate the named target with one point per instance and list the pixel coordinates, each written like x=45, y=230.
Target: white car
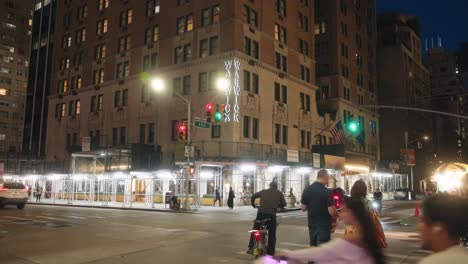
x=13, y=193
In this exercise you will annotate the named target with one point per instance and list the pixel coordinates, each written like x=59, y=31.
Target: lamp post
x=407, y=142
x=159, y=85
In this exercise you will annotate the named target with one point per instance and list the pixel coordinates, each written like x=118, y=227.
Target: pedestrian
x=217, y=197
x=362, y=249
x=318, y=202
x=38, y=193
x=359, y=191
x=230, y=200
x=270, y=200
x=443, y=223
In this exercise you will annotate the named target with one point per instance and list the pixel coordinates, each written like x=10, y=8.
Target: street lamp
x=158, y=85
x=222, y=83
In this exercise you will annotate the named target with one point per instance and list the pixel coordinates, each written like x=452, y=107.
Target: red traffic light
x=182, y=128
x=209, y=107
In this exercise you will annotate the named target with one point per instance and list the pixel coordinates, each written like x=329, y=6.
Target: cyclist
x=270, y=200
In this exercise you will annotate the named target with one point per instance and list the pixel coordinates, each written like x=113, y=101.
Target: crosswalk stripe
x=52, y=218
x=17, y=218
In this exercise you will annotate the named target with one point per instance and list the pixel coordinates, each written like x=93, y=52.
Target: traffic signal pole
x=188, y=145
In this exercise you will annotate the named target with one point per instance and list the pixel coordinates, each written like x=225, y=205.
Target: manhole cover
x=57, y=225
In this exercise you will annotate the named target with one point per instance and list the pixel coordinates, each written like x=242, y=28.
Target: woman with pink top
x=362, y=248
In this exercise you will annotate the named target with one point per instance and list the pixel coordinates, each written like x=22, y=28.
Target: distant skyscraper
x=15, y=29
x=42, y=43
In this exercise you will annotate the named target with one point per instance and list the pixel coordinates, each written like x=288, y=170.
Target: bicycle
x=260, y=237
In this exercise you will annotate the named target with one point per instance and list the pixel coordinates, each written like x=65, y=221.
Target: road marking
x=295, y=244
x=385, y=218
x=52, y=218
x=17, y=218
x=403, y=256
x=390, y=222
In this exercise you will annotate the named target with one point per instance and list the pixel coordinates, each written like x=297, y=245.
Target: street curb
x=137, y=209
x=112, y=207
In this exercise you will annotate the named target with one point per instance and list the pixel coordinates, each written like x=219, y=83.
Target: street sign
x=86, y=144
x=189, y=151
x=202, y=124
x=293, y=156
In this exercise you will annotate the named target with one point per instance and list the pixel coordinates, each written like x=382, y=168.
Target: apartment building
x=345, y=51
x=14, y=54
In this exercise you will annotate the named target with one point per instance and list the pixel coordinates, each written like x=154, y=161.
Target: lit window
x=4, y=91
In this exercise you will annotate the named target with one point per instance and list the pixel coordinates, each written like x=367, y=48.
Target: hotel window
x=255, y=128
x=250, y=16
x=281, y=62
x=124, y=44
x=277, y=133
x=103, y=4
x=304, y=47
x=280, y=34
x=246, y=131
x=123, y=70
x=142, y=133
x=305, y=73
x=82, y=12
x=187, y=52
x=280, y=7
x=152, y=35
x=210, y=16
x=100, y=52
x=202, y=82
x=184, y=24
x=186, y=85
x=251, y=47
x=126, y=17
x=152, y=7
x=123, y=136
x=303, y=22
x=102, y=27
x=98, y=76
x=204, y=48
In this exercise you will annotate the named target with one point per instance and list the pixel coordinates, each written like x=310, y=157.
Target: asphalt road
x=48, y=234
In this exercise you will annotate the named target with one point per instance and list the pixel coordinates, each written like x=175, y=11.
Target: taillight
x=257, y=235
x=3, y=189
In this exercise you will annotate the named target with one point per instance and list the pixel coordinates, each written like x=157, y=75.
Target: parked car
x=401, y=194
x=13, y=193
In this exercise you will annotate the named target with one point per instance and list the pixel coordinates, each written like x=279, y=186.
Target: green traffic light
x=353, y=127
x=218, y=116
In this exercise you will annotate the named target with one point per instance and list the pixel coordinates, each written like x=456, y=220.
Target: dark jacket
x=270, y=200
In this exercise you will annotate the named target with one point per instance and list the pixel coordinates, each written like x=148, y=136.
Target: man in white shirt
x=444, y=221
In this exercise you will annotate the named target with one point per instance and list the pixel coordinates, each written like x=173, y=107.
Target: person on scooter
x=270, y=200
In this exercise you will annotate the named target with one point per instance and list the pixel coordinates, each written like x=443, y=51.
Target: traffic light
x=209, y=112
x=218, y=116
x=182, y=130
x=353, y=126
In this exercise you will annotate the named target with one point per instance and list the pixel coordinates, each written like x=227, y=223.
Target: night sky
x=447, y=19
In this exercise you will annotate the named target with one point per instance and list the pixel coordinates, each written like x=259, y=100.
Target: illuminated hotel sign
x=232, y=75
